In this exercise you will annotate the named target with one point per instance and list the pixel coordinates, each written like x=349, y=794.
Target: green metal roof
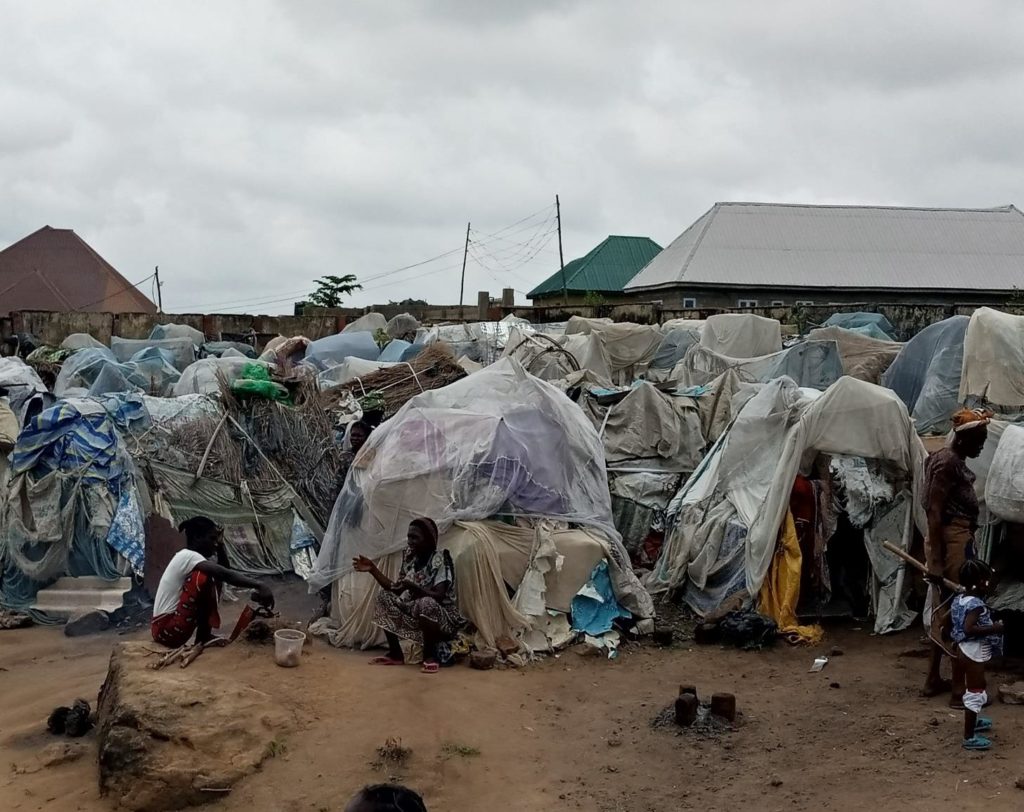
x=608, y=267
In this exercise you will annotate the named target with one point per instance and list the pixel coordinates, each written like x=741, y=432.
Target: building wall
x=705, y=298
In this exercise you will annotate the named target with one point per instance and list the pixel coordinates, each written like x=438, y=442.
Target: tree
x=330, y=290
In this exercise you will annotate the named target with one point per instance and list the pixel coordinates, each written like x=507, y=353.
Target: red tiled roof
x=55, y=269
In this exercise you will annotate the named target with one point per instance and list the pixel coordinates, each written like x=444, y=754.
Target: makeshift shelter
x=513, y=582
x=672, y=349
x=96, y=371
x=815, y=364
x=499, y=442
x=874, y=325
x=483, y=342
x=334, y=349
x=182, y=351
x=726, y=523
x=741, y=335
x=629, y=348
x=369, y=323
x=926, y=374
x=553, y=357
x=993, y=370
x=205, y=375
x=162, y=331
x=863, y=357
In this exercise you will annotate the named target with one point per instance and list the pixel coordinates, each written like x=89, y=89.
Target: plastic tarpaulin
x=815, y=364
x=861, y=319
x=334, y=349
x=200, y=378
x=628, y=348
x=370, y=323
x=926, y=374
x=780, y=592
x=80, y=341
x=581, y=325
x=648, y=429
x=993, y=368
x=497, y=442
x=863, y=358
x=1004, y=486
x=96, y=372
x=725, y=521
x=182, y=350
x=162, y=331
x=552, y=358
x=741, y=335
x=15, y=373
x=672, y=349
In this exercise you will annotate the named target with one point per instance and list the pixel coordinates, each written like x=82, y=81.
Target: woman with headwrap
x=952, y=508
x=422, y=605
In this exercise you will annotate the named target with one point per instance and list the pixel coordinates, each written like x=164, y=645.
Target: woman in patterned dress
x=422, y=604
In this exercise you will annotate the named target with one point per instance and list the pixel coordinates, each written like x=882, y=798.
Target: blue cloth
x=962, y=606
x=63, y=439
x=127, y=532
x=394, y=350
x=594, y=607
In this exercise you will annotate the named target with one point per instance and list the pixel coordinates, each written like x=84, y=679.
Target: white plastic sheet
x=994, y=360
x=814, y=364
x=741, y=335
x=200, y=378
x=863, y=357
x=1004, y=487
x=497, y=442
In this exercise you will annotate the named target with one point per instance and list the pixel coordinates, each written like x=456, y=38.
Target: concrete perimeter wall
x=52, y=328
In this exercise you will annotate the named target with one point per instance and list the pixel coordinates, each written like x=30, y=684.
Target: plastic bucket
x=288, y=647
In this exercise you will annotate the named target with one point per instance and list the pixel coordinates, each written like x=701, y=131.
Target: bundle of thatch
x=433, y=368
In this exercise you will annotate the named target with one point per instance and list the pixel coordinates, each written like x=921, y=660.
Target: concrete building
x=600, y=275
x=54, y=269
x=769, y=255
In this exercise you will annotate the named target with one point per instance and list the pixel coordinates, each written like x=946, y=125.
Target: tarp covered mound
x=182, y=350
x=499, y=442
x=16, y=374
x=552, y=358
x=815, y=364
x=583, y=325
x=162, y=331
x=492, y=561
x=741, y=335
x=993, y=370
x=671, y=351
x=871, y=324
x=96, y=372
x=484, y=342
x=80, y=341
x=926, y=374
x=201, y=378
x=1004, y=486
x=628, y=348
x=726, y=519
x=648, y=429
x=325, y=352
x=403, y=326
x=370, y=323
x=864, y=358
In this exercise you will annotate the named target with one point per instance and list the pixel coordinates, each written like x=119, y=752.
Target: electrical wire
x=118, y=292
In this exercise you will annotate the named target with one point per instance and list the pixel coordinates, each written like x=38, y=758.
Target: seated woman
x=422, y=605
x=189, y=590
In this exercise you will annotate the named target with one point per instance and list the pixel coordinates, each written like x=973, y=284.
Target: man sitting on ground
x=189, y=590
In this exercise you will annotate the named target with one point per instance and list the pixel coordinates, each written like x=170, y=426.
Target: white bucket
x=288, y=647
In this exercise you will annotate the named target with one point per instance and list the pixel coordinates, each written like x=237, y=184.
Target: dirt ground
x=571, y=732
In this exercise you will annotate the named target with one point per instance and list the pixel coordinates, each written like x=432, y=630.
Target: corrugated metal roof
x=607, y=267
x=55, y=269
x=755, y=244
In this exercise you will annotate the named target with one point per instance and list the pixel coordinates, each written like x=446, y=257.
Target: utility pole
x=561, y=259
x=462, y=283
x=159, y=295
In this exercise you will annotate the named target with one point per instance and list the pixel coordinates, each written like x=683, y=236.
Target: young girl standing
x=977, y=637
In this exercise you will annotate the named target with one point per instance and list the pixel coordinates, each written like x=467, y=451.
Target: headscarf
x=428, y=526
x=967, y=419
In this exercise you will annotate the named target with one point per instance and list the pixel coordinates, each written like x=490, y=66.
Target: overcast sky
x=247, y=148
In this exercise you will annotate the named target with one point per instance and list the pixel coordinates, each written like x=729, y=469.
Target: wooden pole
x=462, y=283
x=159, y=295
x=561, y=259
x=892, y=548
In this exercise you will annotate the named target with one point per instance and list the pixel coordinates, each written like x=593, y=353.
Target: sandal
x=386, y=661
x=430, y=668
x=982, y=725
x=977, y=742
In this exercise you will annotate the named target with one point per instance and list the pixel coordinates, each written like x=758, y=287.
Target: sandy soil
x=570, y=733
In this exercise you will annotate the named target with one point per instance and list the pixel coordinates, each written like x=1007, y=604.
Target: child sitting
x=977, y=638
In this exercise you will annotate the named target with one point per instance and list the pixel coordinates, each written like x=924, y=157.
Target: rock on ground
x=176, y=737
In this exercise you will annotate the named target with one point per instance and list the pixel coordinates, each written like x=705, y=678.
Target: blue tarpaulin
x=63, y=439
x=594, y=607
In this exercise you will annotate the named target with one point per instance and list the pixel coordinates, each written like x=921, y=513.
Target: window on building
x=747, y=303
x=690, y=303
x=804, y=303
x=778, y=303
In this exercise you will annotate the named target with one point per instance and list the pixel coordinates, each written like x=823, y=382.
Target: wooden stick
x=892, y=548
x=209, y=447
